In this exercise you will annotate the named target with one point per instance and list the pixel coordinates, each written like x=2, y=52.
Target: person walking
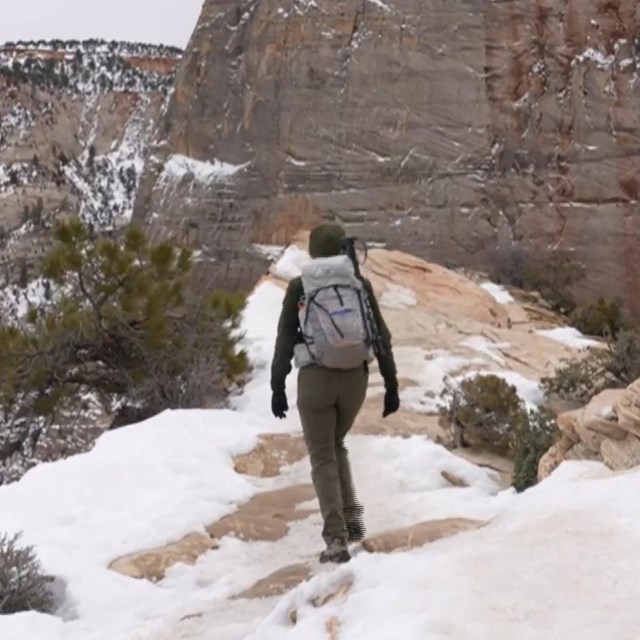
x=331, y=325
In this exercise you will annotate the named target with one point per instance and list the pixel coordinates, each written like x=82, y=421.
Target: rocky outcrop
x=266, y=517
x=272, y=453
x=76, y=120
x=452, y=131
x=418, y=535
x=152, y=565
x=607, y=429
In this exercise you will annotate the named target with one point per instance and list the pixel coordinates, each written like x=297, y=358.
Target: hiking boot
x=355, y=525
x=336, y=551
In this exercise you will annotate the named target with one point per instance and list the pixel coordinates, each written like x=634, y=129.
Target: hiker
x=331, y=324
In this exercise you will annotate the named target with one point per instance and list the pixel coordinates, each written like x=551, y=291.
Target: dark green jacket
x=325, y=241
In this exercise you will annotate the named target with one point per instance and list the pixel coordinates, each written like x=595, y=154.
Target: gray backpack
x=335, y=325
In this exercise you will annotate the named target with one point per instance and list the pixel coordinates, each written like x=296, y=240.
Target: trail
x=443, y=325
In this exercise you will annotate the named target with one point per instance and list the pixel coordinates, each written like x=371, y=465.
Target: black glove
x=391, y=401
x=279, y=404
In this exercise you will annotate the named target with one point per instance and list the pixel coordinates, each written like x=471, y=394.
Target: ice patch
x=430, y=370
x=499, y=293
x=398, y=297
x=568, y=336
x=486, y=347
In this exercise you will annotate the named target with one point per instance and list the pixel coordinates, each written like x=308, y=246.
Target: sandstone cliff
x=451, y=129
x=76, y=119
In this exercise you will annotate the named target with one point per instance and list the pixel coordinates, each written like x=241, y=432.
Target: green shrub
x=616, y=367
x=550, y=274
x=486, y=412
x=578, y=380
x=482, y=411
x=532, y=438
x=604, y=318
x=623, y=357
x=23, y=586
x=123, y=324
x=553, y=276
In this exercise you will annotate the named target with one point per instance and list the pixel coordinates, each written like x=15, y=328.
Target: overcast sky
x=156, y=21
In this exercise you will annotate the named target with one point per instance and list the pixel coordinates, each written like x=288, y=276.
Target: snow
x=568, y=336
x=608, y=413
x=486, y=347
x=558, y=561
x=272, y=252
x=19, y=118
x=290, y=265
x=171, y=468
x=602, y=61
x=178, y=166
x=258, y=328
x=529, y=390
x=499, y=293
x=15, y=302
x=430, y=369
x=147, y=485
x=379, y=3
x=398, y=297
x=108, y=183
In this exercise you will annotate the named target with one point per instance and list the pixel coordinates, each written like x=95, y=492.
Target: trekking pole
x=349, y=249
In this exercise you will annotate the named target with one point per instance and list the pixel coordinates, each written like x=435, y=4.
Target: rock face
x=76, y=119
x=450, y=130
x=607, y=429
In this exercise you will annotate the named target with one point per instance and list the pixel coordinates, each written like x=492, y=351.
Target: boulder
x=621, y=454
x=627, y=409
x=552, y=459
x=601, y=415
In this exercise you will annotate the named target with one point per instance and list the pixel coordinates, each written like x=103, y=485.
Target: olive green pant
x=328, y=402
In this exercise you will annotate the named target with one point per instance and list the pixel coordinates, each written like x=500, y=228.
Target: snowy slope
x=559, y=561
x=153, y=483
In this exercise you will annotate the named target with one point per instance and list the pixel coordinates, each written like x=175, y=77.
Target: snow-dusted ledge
x=178, y=166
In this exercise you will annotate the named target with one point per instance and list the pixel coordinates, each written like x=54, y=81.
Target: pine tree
x=125, y=324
